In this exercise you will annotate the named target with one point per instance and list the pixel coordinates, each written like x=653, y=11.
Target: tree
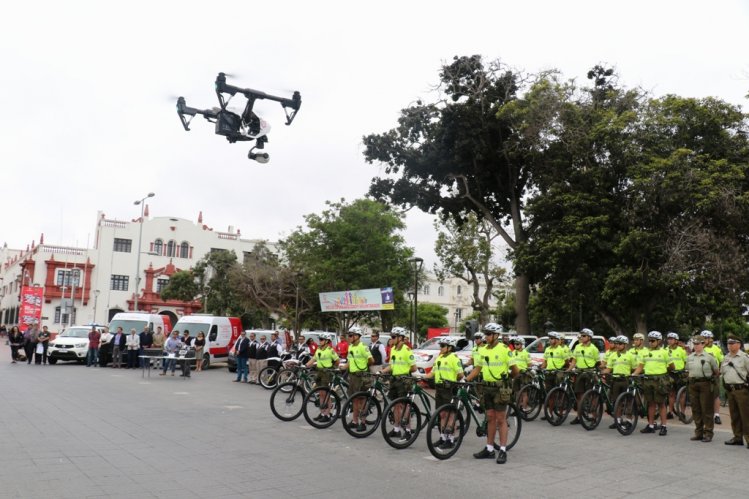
x=213, y=273
x=474, y=150
x=465, y=251
x=431, y=316
x=182, y=286
x=354, y=245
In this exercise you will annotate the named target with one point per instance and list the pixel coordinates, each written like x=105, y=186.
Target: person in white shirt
x=133, y=345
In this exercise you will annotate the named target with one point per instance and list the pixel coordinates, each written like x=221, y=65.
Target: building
x=454, y=294
x=129, y=259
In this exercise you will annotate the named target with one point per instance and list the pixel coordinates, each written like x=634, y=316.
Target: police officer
x=478, y=344
x=620, y=366
x=522, y=361
x=556, y=356
x=701, y=369
x=735, y=373
x=638, y=348
x=447, y=369
x=714, y=350
x=359, y=360
x=402, y=365
x=678, y=357
x=325, y=359
x=655, y=365
x=584, y=358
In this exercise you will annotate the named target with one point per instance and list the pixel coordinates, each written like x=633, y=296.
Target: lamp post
x=297, y=275
x=96, y=300
x=416, y=264
x=74, y=276
x=140, y=236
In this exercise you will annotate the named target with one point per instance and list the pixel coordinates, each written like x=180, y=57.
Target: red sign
x=438, y=331
x=31, y=305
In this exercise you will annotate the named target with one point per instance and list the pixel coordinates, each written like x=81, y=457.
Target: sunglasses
x=651, y=340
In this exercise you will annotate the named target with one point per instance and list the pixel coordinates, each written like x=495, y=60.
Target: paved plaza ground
x=72, y=432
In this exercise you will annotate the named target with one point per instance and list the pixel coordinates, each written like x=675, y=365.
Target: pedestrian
x=171, y=347
x=30, y=338
x=735, y=373
x=133, y=348
x=655, y=365
x=714, y=350
x=92, y=356
x=241, y=353
x=119, y=342
x=311, y=346
x=702, y=368
x=378, y=352
x=186, y=338
x=40, y=351
x=262, y=354
x=199, y=345
x=158, y=345
x=146, y=341
x=15, y=339
x=105, y=347
x=341, y=347
x=275, y=349
x=252, y=358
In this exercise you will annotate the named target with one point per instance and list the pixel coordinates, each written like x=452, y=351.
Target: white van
x=220, y=334
x=139, y=320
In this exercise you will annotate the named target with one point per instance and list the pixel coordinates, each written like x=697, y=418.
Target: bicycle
x=531, y=396
x=449, y=420
x=323, y=398
x=629, y=407
x=594, y=402
x=287, y=399
x=372, y=401
x=560, y=400
x=268, y=376
x=682, y=403
x=411, y=419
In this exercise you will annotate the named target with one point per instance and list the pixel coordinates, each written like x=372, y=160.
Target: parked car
x=536, y=348
x=427, y=352
x=71, y=344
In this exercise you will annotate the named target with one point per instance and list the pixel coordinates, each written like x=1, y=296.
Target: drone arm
x=184, y=110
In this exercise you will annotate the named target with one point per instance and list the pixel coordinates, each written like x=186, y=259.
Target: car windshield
x=126, y=326
x=193, y=327
x=75, y=332
x=431, y=344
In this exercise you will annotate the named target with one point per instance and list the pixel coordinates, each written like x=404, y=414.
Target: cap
x=698, y=340
x=638, y=336
x=732, y=338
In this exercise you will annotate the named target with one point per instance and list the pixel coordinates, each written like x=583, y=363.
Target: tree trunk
x=522, y=296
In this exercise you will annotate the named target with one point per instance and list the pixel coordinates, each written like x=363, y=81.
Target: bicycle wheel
x=368, y=418
x=267, y=378
x=590, y=410
x=626, y=413
x=514, y=426
x=557, y=406
x=286, y=376
x=445, y=431
x=321, y=407
x=409, y=422
x=287, y=401
x=683, y=406
x=529, y=401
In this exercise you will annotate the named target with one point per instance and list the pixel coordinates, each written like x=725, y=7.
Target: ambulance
x=220, y=334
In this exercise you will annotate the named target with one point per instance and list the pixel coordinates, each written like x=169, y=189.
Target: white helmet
x=587, y=332
x=492, y=328
x=622, y=339
x=706, y=334
x=355, y=330
x=447, y=341
x=398, y=331
x=326, y=336
x=553, y=335
x=517, y=340
x=655, y=335
x=478, y=336
x=672, y=336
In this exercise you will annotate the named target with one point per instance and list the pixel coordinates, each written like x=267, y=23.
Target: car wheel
x=52, y=361
x=207, y=361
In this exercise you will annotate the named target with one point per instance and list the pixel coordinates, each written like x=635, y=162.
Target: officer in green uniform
x=447, y=369
x=611, y=350
x=556, y=357
x=735, y=373
x=402, y=364
x=702, y=369
x=620, y=367
x=638, y=349
x=359, y=360
x=522, y=361
x=715, y=351
x=678, y=357
x=478, y=344
x=325, y=359
x=655, y=365
x=495, y=367
x=585, y=358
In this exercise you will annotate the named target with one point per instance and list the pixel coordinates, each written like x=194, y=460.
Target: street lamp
x=96, y=299
x=416, y=264
x=140, y=236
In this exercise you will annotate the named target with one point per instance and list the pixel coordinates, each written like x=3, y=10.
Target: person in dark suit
x=242, y=354
x=146, y=341
x=118, y=346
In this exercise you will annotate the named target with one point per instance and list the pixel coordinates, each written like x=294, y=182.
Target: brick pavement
x=72, y=431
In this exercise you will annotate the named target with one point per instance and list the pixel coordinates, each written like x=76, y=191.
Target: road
x=72, y=431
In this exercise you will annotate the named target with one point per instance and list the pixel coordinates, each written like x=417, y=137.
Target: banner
x=31, y=305
x=357, y=300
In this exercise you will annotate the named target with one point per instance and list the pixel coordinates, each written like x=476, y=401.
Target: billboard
x=31, y=305
x=357, y=300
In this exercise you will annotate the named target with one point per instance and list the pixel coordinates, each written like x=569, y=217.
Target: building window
x=458, y=314
x=158, y=246
x=69, y=278
x=459, y=290
x=425, y=291
x=61, y=318
x=171, y=248
x=120, y=282
x=441, y=291
x=184, y=250
x=161, y=284
x=123, y=245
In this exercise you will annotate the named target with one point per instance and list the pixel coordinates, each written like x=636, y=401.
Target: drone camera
x=262, y=157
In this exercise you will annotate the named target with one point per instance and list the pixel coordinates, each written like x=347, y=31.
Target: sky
x=88, y=92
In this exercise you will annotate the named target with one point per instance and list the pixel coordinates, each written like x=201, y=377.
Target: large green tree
x=356, y=245
x=474, y=149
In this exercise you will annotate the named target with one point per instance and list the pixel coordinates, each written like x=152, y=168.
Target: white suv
x=71, y=344
x=427, y=352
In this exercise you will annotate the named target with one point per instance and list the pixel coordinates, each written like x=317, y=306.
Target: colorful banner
x=357, y=300
x=31, y=306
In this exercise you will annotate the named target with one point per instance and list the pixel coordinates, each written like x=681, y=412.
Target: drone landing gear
x=260, y=157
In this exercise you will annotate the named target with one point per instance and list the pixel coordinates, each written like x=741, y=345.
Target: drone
x=245, y=127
